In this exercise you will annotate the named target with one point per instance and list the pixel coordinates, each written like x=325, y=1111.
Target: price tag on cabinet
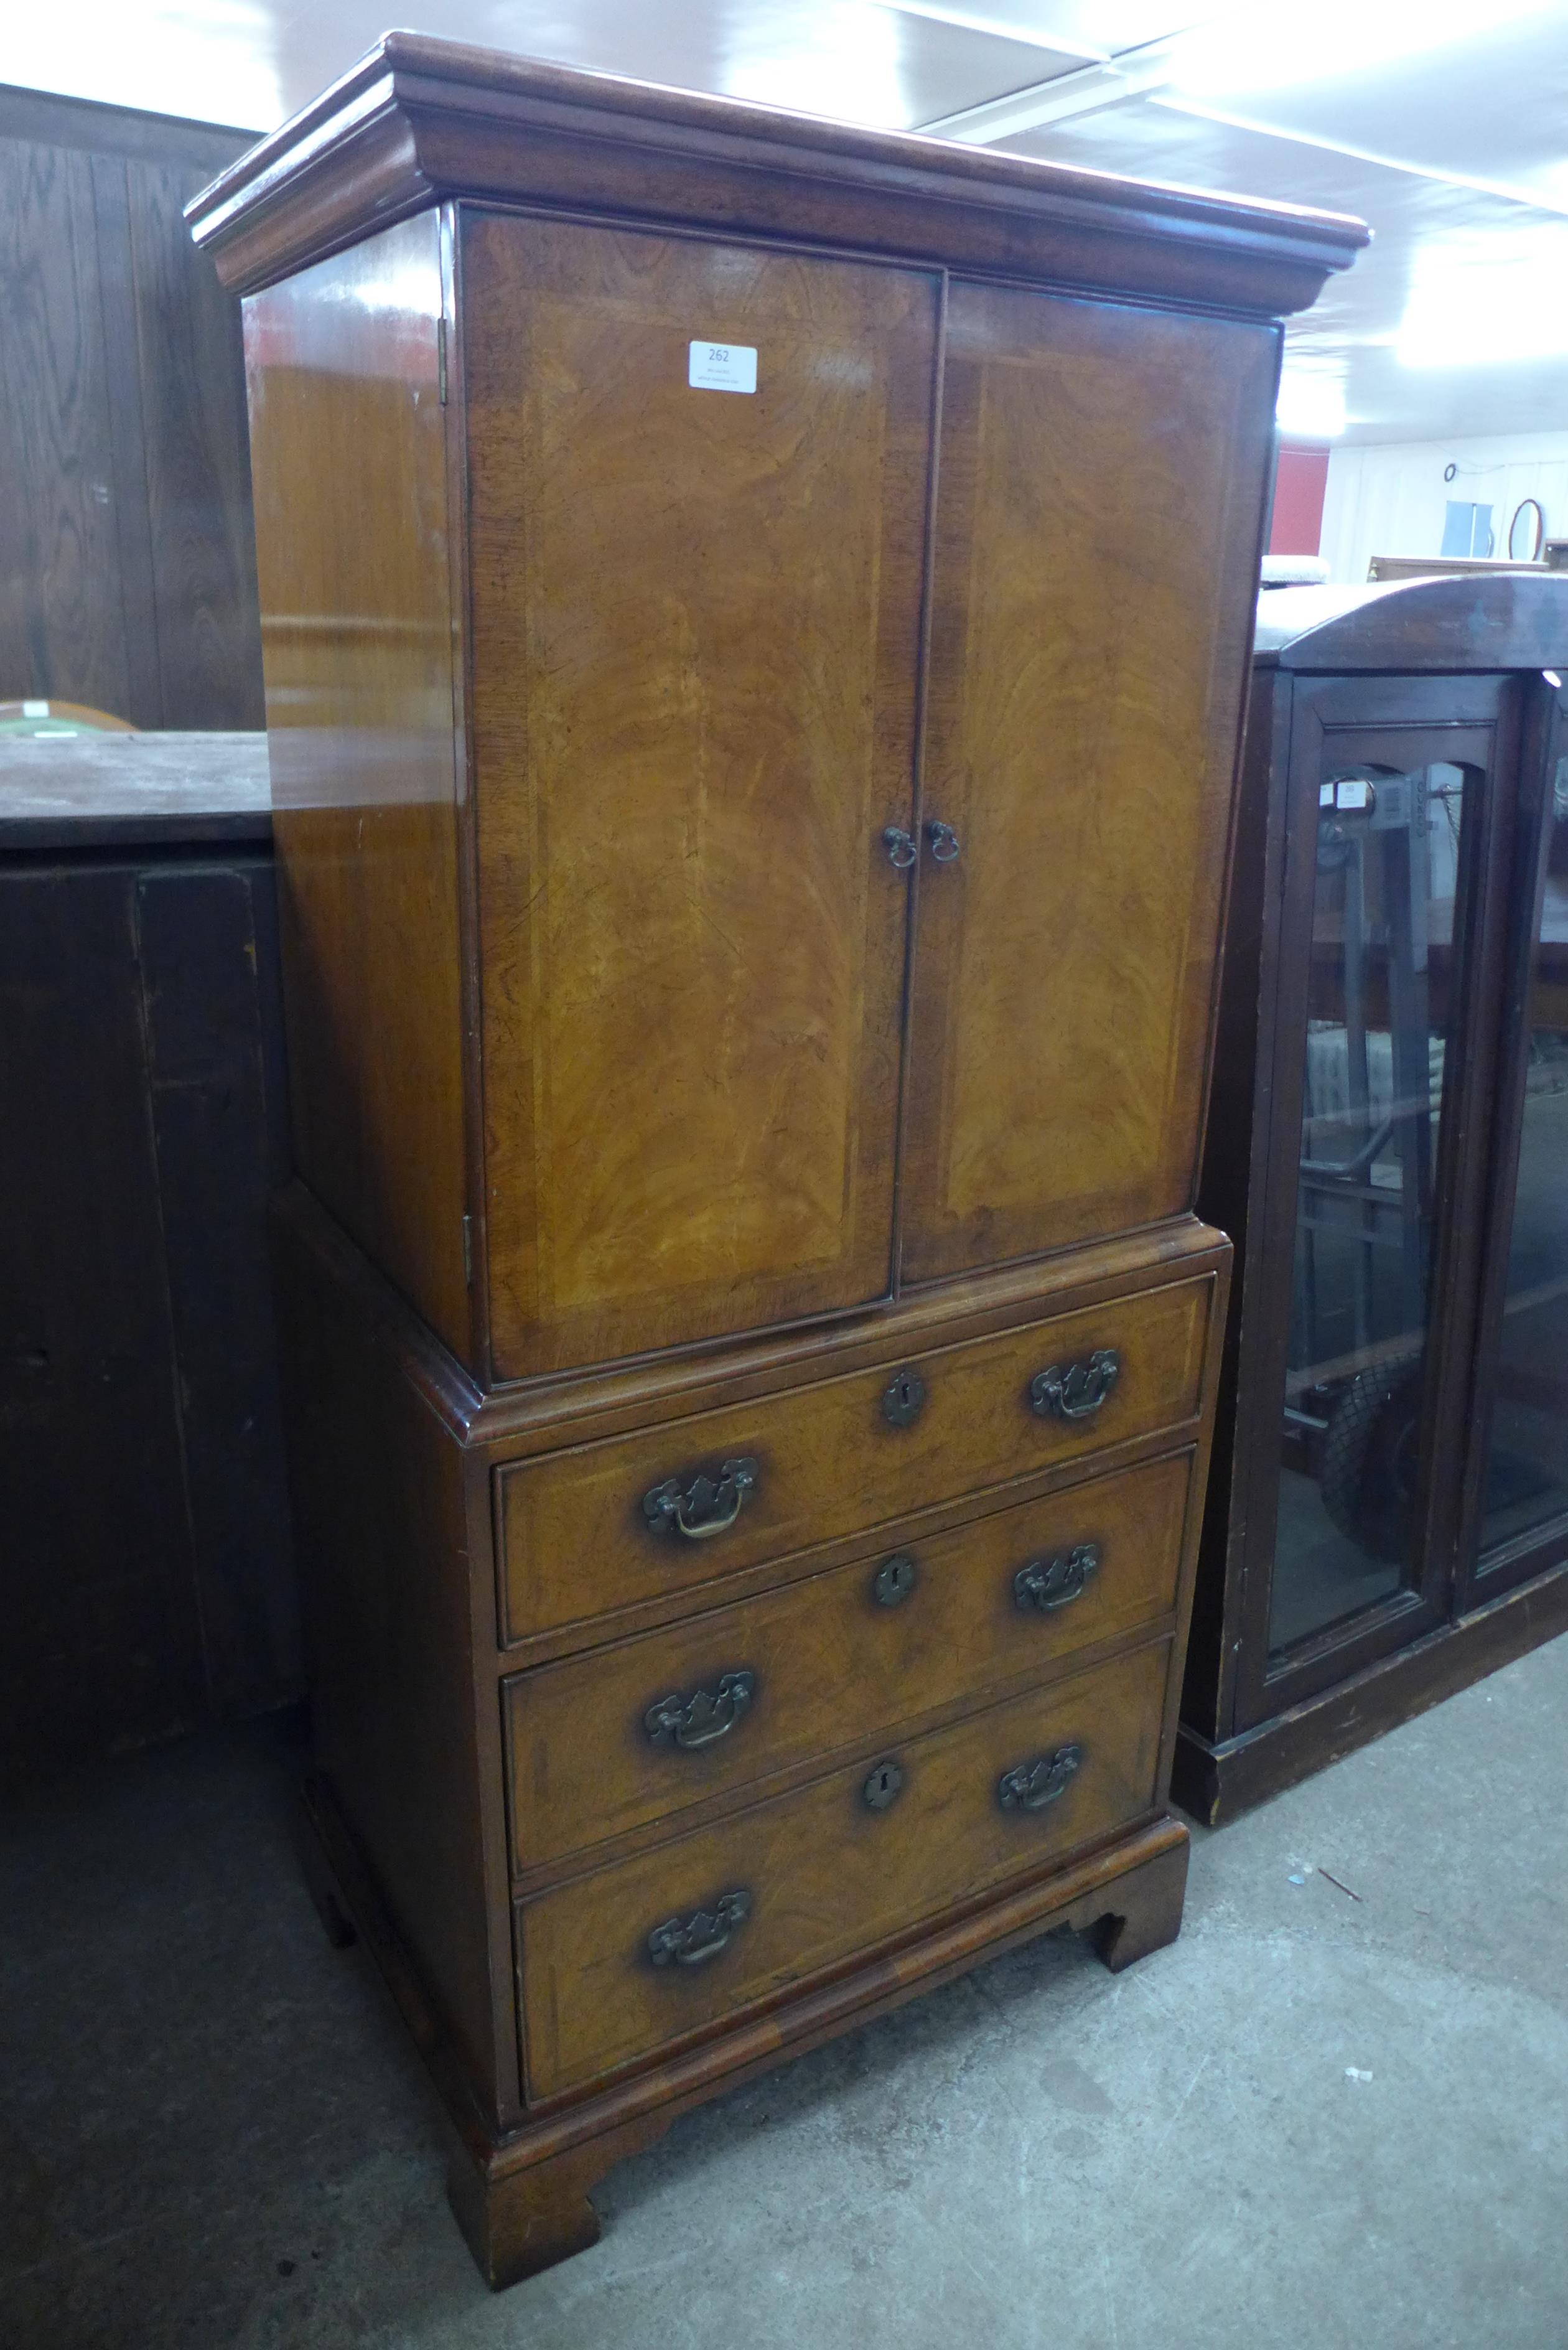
x=722, y=367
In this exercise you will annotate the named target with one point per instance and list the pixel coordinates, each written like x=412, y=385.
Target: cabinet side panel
x=348, y=456
x=376, y=1487
x=1102, y=487
x=696, y=618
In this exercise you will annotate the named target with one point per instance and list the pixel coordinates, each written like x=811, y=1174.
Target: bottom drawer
x=624, y=1965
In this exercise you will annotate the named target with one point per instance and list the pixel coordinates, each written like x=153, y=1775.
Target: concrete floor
x=1315, y=2121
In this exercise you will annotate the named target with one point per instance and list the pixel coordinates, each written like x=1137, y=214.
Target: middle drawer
x=633, y=1733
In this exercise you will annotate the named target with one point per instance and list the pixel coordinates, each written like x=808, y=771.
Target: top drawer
x=608, y=1525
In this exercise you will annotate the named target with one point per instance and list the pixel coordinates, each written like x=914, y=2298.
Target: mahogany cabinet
x=755, y=615
x=1388, y=1517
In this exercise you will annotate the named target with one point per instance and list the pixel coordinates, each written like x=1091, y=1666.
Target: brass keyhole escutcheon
x=883, y=1786
x=904, y=1400
x=895, y=1579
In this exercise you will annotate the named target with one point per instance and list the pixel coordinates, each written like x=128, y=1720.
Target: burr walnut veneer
x=755, y=615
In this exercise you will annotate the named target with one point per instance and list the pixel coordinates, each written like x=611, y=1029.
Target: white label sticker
x=35, y=710
x=1354, y=793
x=722, y=367
x=1326, y=795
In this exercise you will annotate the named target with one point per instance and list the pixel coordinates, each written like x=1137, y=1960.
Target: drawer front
x=630, y=1734
x=627, y=1963
x=577, y=1539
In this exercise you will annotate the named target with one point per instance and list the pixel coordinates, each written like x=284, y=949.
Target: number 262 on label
x=722, y=367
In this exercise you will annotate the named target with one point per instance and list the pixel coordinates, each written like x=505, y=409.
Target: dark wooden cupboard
x=1389, y=1512
x=755, y=615
x=148, y=1584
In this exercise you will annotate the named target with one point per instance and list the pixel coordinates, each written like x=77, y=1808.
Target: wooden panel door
x=1102, y=480
x=696, y=627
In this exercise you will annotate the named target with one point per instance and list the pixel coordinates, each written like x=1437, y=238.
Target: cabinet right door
x=1101, y=480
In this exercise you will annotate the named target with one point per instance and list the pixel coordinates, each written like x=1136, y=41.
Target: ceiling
x=1445, y=133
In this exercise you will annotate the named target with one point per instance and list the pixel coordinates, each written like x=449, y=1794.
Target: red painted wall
x=1301, y=477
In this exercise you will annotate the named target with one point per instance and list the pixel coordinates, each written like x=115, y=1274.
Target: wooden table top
x=126, y=791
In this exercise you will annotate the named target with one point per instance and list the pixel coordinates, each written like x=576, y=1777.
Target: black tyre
x=1370, y=1457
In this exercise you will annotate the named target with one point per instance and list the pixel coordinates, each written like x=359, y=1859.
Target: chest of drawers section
x=668, y=1720
x=824, y=1669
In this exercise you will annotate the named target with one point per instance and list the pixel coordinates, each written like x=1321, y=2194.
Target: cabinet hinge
x=440, y=360
x=468, y=1250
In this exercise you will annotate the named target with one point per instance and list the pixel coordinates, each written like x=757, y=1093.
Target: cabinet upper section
x=419, y=119
x=751, y=718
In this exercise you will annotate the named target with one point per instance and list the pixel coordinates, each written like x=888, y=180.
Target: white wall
x=1388, y=497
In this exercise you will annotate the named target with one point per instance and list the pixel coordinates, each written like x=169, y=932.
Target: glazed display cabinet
x=755, y=619
x=1388, y=1145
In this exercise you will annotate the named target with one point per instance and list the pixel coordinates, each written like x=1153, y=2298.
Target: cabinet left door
x=698, y=482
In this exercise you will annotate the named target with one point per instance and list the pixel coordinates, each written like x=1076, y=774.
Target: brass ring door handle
x=900, y=847
x=943, y=842
x=708, y=1507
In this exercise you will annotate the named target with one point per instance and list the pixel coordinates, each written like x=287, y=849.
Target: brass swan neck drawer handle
x=1029, y=1787
x=900, y=847
x=707, y=1506
x=1075, y=1390
x=704, y=1717
x=943, y=842
x=692, y=1941
x=1050, y=1583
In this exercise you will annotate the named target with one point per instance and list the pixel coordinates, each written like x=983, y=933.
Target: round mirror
x=1526, y=531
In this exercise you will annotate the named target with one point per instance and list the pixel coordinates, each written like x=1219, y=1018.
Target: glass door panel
x=1382, y=1004
x=1526, y=1481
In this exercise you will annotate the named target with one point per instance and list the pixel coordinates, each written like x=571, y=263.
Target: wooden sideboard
x=755, y=616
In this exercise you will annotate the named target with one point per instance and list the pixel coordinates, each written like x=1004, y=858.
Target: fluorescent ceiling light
x=1275, y=48
x=1486, y=297
x=1310, y=405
